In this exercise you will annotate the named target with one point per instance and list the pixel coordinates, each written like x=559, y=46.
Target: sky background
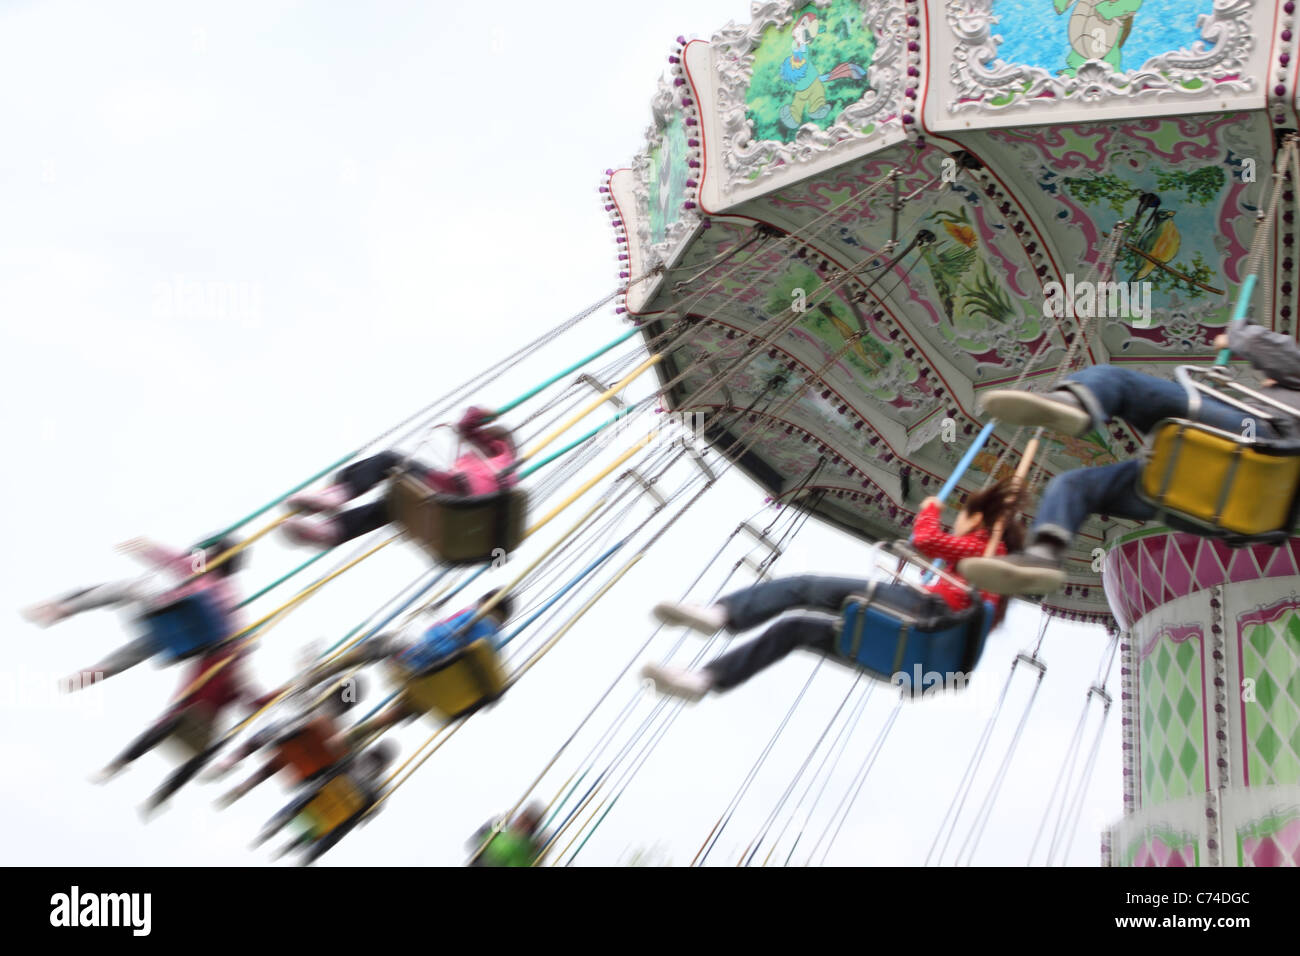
x=388, y=197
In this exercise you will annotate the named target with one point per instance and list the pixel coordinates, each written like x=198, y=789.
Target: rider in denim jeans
x=1093, y=396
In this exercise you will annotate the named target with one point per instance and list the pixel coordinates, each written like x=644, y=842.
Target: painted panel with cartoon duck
x=1181, y=186
x=1155, y=241
x=792, y=84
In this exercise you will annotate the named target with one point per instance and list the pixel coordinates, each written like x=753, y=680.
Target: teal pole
x=284, y=577
x=578, y=441
x=208, y=542
x=572, y=368
x=1238, y=314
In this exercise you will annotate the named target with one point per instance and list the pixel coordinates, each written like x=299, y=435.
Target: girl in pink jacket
x=484, y=469
x=172, y=578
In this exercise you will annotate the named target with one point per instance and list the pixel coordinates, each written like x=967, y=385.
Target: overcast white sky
x=401, y=193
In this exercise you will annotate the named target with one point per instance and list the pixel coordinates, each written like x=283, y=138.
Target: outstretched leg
x=243, y=789
x=103, y=595
x=352, y=482
x=124, y=658
x=1089, y=398
x=147, y=741
x=754, y=605
x=1068, y=501
x=741, y=663
x=749, y=607
x=181, y=776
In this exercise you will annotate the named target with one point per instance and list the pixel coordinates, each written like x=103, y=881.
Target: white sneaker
x=107, y=773
x=316, y=532
x=44, y=614
x=678, y=682
x=707, y=619
x=1057, y=410
x=1013, y=574
x=326, y=499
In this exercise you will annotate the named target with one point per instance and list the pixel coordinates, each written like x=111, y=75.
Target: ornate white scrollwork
x=746, y=158
x=1214, y=64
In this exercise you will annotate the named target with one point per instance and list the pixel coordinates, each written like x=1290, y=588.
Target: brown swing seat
x=457, y=529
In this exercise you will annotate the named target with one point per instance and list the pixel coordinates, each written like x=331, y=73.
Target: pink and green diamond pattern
x=1272, y=842
x=1270, y=657
x=1173, y=718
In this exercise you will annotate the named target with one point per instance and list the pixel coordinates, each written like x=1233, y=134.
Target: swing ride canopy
x=893, y=206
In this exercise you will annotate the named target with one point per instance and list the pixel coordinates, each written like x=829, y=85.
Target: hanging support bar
x=1096, y=690
x=1032, y=661
x=698, y=458
x=647, y=486
x=894, y=206
x=761, y=538
x=597, y=386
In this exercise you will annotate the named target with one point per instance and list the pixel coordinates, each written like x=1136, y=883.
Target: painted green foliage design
x=809, y=70
x=830, y=320
x=667, y=179
x=970, y=294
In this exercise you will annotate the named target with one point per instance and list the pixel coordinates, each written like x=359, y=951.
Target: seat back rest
x=1221, y=483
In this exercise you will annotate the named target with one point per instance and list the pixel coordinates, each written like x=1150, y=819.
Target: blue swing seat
x=186, y=627
x=446, y=639
x=898, y=647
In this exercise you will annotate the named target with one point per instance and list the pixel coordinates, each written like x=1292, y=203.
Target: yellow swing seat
x=458, y=529
x=458, y=684
x=337, y=802
x=1223, y=484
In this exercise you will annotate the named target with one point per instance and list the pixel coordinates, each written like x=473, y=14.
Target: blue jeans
x=762, y=602
x=1142, y=400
